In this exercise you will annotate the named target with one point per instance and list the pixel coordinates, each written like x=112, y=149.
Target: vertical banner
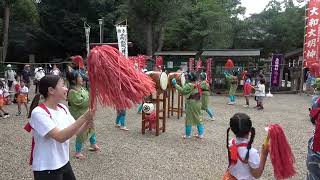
x=311, y=41
x=208, y=70
x=87, y=33
x=191, y=64
x=199, y=65
x=275, y=74
x=122, y=39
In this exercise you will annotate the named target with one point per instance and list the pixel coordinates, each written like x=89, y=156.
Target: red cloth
x=247, y=89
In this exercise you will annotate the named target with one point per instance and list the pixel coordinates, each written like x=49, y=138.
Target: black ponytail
x=229, y=154
x=253, y=133
x=34, y=104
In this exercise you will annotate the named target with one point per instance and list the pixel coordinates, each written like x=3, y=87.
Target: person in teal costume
x=78, y=101
x=233, y=81
x=192, y=91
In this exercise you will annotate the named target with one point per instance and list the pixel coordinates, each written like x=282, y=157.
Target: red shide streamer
x=78, y=61
x=282, y=158
x=191, y=64
x=199, y=65
x=114, y=81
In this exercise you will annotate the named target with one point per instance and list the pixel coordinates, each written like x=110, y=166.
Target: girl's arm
x=85, y=126
x=65, y=134
x=256, y=173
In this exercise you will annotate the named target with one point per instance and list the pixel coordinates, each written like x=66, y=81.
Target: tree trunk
x=5, y=30
x=149, y=38
x=161, y=38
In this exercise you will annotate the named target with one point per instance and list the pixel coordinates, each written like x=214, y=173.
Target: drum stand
x=160, y=102
x=171, y=108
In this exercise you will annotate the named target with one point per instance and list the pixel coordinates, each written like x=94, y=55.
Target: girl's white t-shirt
x=49, y=154
x=241, y=171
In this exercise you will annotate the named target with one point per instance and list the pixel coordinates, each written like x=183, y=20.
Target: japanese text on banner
x=122, y=39
x=311, y=44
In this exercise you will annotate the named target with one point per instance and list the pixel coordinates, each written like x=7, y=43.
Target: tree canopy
x=55, y=29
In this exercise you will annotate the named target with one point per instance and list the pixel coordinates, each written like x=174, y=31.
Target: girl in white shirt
x=260, y=93
x=244, y=161
x=52, y=127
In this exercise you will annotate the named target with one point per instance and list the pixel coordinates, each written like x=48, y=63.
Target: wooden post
x=172, y=101
x=143, y=125
x=157, y=114
x=178, y=108
x=164, y=112
x=168, y=96
x=181, y=105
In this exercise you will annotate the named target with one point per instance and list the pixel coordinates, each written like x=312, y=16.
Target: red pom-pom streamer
x=114, y=81
x=315, y=69
x=280, y=153
x=229, y=64
x=78, y=61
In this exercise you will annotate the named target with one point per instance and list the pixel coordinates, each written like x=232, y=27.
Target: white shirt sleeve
x=41, y=122
x=254, y=158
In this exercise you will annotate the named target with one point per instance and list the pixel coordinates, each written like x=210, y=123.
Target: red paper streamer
x=114, y=81
x=199, y=65
x=78, y=61
x=229, y=64
x=280, y=153
x=191, y=64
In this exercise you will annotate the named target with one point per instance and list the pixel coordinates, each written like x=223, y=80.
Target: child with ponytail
x=244, y=160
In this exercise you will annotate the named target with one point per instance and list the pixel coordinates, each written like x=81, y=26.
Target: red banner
x=311, y=44
x=199, y=65
x=209, y=70
x=191, y=64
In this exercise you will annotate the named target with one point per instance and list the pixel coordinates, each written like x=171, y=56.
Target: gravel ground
x=131, y=155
